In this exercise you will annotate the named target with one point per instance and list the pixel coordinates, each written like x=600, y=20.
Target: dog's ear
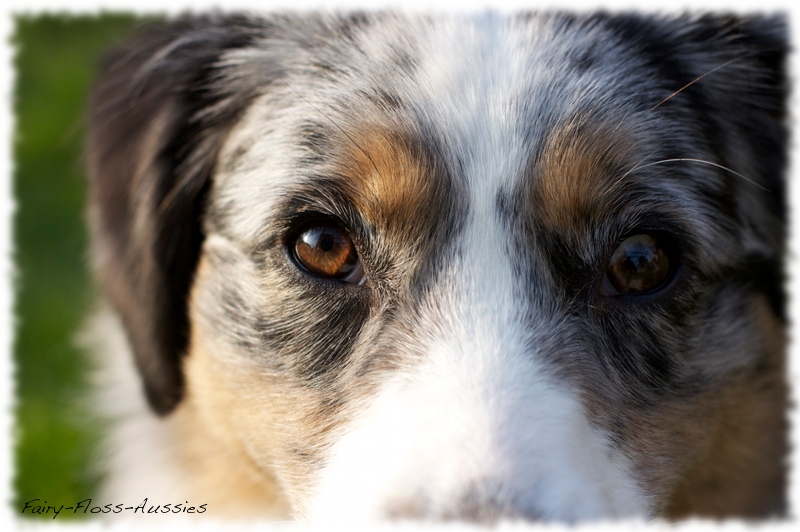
x=157, y=119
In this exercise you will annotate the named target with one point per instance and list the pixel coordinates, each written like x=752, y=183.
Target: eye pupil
x=326, y=251
x=639, y=265
x=326, y=243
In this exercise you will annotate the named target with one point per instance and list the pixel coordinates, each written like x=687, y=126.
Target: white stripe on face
x=475, y=425
x=478, y=426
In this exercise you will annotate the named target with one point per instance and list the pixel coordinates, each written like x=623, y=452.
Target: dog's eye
x=326, y=251
x=638, y=266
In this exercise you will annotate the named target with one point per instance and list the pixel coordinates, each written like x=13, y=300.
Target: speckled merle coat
x=375, y=266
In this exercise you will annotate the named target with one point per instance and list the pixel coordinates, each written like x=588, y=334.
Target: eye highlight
x=326, y=251
x=639, y=265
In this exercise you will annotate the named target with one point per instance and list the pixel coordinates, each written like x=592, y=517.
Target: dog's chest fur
x=482, y=361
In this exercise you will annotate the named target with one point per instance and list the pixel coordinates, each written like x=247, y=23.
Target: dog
x=375, y=265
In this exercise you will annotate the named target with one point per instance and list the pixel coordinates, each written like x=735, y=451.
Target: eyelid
x=358, y=273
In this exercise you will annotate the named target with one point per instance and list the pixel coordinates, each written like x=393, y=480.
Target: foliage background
x=56, y=60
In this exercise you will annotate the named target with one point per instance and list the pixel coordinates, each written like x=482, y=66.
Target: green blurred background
x=56, y=59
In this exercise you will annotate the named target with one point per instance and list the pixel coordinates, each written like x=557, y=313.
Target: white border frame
x=8, y=272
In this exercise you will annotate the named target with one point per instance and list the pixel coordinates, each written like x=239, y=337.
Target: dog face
x=453, y=267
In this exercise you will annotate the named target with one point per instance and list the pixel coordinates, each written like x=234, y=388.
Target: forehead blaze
x=581, y=165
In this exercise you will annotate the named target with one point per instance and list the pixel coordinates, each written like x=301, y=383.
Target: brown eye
x=326, y=251
x=638, y=266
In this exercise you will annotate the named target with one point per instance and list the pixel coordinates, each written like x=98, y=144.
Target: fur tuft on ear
x=157, y=119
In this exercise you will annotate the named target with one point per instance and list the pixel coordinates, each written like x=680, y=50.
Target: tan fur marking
x=241, y=424
x=744, y=471
x=212, y=451
x=578, y=167
x=737, y=431
x=221, y=475
x=390, y=183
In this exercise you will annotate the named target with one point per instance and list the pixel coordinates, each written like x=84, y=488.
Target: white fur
x=478, y=410
x=140, y=447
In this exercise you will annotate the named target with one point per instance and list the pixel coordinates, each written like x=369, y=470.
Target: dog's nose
x=484, y=502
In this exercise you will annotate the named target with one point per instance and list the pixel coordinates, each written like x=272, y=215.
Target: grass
x=55, y=62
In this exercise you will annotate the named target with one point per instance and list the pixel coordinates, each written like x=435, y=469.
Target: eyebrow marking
x=337, y=126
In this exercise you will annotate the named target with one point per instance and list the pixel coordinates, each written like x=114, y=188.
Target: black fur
x=152, y=148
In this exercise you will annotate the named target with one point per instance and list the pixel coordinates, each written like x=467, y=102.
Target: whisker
x=642, y=116
x=723, y=65
x=639, y=165
x=677, y=92
x=626, y=174
x=699, y=161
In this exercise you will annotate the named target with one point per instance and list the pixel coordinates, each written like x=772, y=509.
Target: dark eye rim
x=667, y=243
x=300, y=227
